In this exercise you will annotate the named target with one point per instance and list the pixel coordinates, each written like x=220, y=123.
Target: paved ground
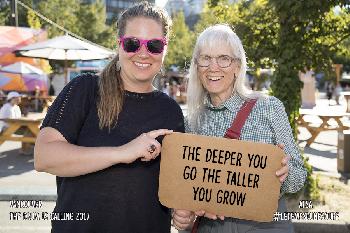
x=18, y=179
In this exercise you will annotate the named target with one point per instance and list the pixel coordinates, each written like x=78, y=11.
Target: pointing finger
x=159, y=132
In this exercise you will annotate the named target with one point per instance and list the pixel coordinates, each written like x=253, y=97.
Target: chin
x=144, y=79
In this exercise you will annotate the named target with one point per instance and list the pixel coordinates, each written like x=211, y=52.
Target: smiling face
x=138, y=69
x=219, y=82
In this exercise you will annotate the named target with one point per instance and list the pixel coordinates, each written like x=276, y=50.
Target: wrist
x=119, y=154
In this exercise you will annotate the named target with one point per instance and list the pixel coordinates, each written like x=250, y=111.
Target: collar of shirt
x=232, y=104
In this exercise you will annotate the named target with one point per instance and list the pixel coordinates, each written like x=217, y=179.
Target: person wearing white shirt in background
x=10, y=109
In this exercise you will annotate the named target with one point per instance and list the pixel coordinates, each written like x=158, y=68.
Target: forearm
x=63, y=159
x=295, y=179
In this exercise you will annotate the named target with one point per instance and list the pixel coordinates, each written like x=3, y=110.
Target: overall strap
x=235, y=130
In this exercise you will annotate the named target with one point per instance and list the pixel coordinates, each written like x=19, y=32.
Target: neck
x=139, y=88
x=218, y=99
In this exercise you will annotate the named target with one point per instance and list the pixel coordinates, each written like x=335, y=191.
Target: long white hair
x=210, y=38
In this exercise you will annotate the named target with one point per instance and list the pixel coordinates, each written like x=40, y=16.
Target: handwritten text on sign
x=222, y=176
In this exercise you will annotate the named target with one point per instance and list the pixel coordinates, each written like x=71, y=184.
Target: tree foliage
x=180, y=44
x=62, y=12
x=33, y=20
x=4, y=13
x=309, y=36
x=85, y=20
x=91, y=24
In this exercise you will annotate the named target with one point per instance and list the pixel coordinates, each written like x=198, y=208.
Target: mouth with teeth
x=214, y=78
x=142, y=65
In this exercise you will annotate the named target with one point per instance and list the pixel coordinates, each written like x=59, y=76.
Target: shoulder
x=166, y=101
x=269, y=103
x=6, y=107
x=83, y=85
x=86, y=79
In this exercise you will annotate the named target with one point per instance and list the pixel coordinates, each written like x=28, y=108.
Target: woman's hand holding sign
x=183, y=219
x=283, y=172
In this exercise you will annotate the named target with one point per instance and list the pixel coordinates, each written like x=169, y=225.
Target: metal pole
x=14, y=13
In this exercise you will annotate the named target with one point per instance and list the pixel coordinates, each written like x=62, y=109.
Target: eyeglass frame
x=216, y=60
x=142, y=42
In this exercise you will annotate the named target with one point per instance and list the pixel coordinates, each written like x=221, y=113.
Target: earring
x=162, y=71
x=117, y=66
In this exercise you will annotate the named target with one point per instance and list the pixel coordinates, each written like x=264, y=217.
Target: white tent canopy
x=22, y=68
x=65, y=48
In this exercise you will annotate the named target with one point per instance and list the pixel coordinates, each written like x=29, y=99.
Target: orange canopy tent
x=10, y=82
x=12, y=38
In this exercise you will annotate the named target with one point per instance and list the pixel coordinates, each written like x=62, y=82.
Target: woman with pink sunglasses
x=102, y=136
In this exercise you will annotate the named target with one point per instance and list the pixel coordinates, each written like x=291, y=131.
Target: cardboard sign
x=223, y=176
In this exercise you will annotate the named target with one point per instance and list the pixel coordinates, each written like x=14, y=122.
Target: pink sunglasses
x=133, y=44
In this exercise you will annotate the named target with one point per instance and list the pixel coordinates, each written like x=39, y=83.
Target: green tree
x=62, y=12
x=180, y=44
x=213, y=14
x=23, y=13
x=91, y=24
x=4, y=13
x=33, y=20
x=310, y=34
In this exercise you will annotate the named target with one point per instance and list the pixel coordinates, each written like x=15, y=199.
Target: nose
x=213, y=64
x=143, y=52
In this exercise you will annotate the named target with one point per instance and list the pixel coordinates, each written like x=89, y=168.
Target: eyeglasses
x=133, y=44
x=223, y=61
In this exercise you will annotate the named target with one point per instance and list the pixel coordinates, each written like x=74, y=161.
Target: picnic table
x=30, y=125
x=325, y=125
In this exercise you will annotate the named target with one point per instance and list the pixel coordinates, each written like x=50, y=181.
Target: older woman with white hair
x=218, y=100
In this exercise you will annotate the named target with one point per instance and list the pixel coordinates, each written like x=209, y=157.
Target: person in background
x=329, y=92
x=37, y=101
x=217, y=92
x=51, y=88
x=102, y=136
x=337, y=93
x=10, y=109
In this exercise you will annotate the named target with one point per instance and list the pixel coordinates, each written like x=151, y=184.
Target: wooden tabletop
x=322, y=113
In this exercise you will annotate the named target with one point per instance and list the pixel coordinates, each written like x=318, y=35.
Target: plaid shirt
x=267, y=123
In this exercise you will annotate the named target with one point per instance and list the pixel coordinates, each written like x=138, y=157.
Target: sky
x=161, y=3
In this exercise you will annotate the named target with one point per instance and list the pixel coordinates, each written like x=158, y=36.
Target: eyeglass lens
x=223, y=61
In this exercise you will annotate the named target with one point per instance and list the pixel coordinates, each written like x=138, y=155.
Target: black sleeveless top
x=122, y=198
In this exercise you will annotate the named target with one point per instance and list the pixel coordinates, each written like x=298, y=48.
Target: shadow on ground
x=322, y=153
x=13, y=163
